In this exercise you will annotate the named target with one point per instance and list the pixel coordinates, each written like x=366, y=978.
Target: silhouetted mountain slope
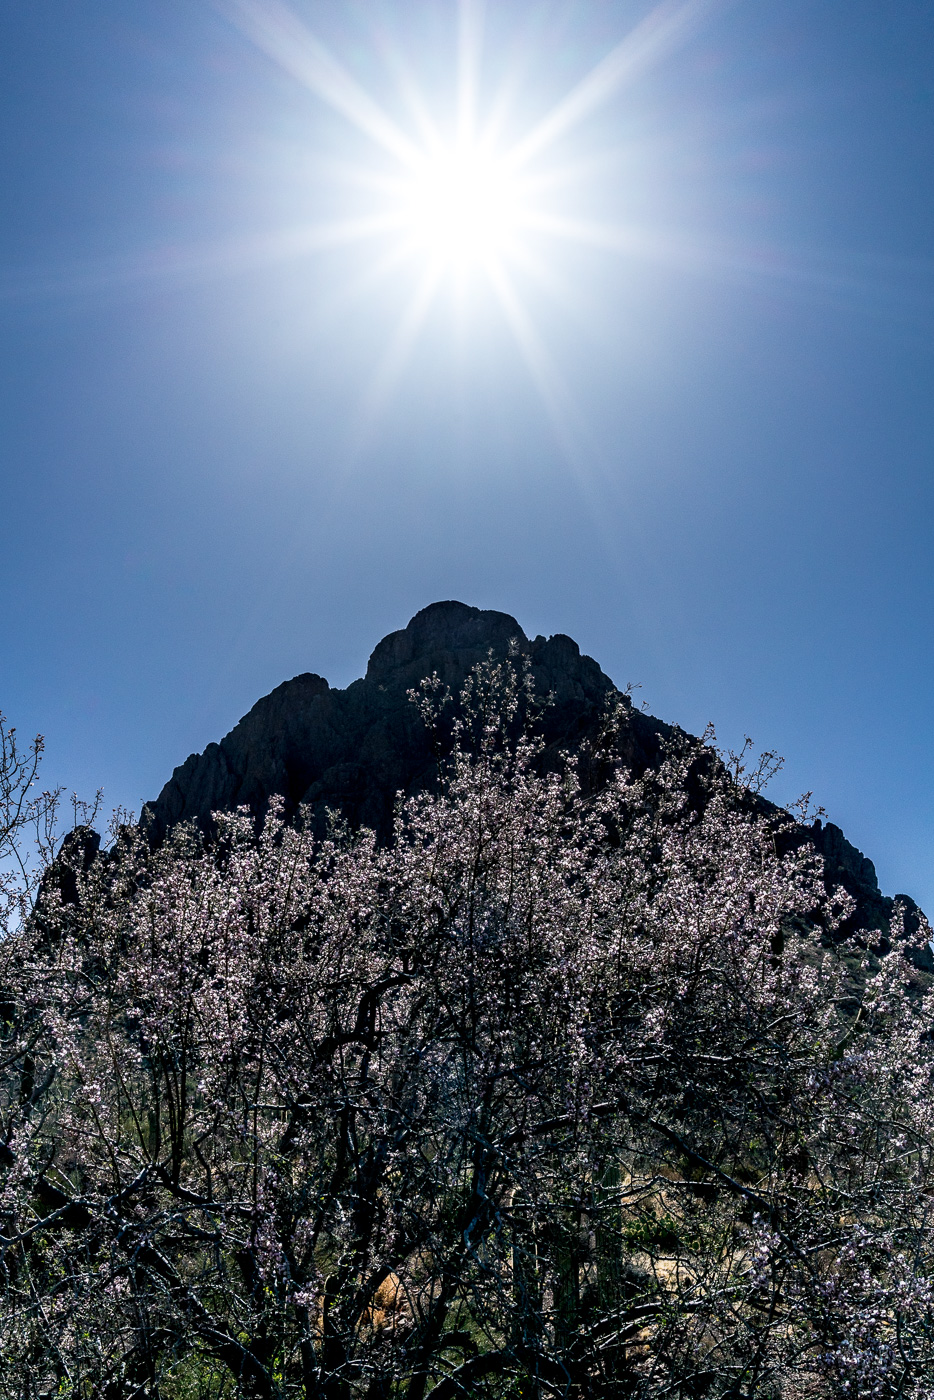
x=354, y=749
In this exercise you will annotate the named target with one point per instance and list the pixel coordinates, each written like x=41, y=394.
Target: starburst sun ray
x=465, y=205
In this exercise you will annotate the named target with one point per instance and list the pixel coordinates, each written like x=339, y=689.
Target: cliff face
x=354, y=749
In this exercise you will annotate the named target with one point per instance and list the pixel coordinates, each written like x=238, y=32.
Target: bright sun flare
x=465, y=204
x=462, y=206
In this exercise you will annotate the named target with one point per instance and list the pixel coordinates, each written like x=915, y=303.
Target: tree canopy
x=566, y=1091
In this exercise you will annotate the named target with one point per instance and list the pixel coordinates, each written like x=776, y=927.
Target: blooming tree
x=27, y=825
x=565, y=1092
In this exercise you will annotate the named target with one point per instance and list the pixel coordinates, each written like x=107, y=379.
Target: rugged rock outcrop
x=355, y=749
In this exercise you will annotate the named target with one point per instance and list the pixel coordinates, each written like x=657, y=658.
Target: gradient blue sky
x=721, y=487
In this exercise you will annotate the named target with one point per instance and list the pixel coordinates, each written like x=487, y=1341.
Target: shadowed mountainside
x=355, y=749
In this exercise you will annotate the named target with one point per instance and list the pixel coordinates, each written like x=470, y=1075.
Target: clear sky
x=615, y=318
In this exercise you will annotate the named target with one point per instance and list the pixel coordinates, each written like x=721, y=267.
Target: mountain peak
x=355, y=750
x=443, y=628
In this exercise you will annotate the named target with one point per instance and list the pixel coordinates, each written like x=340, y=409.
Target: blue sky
x=698, y=439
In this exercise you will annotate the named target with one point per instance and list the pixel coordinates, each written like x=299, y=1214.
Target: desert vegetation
x=570, y=1090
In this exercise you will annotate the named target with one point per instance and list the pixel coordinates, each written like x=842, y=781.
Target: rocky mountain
x=355, y=749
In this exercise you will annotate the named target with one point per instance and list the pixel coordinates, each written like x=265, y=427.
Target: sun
x=462, y=207
x=460, y=191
